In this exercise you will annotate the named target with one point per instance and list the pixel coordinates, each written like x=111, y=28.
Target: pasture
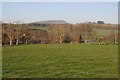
x=105, y=32
x=60, y=61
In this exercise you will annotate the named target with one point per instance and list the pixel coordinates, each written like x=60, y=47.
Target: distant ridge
x=51, y=22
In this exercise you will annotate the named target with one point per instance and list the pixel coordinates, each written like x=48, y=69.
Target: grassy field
x=105, y=32
x=60, y=61
x=101, y=32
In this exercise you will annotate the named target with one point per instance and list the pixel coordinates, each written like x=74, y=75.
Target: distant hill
x=52, y=22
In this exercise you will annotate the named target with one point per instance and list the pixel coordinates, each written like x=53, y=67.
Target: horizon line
x=55, y=20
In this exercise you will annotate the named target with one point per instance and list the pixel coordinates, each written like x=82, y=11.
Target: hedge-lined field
x=60, y=61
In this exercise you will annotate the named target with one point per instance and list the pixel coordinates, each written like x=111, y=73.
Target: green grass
x=100, y=32
x=105, y=32
x=44, y=28
x=60, y=61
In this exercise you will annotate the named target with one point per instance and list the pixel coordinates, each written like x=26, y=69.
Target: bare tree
x=28, y=33
x=10, y=31
x=59, y=33
x=19, y=32
x=88, y=33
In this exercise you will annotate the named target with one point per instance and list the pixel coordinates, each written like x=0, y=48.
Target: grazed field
x=105, y=32
x=60, y=61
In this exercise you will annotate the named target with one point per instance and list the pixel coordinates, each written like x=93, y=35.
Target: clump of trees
x=16, y=33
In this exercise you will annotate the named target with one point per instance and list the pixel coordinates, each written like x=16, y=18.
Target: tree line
x=16, y=33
